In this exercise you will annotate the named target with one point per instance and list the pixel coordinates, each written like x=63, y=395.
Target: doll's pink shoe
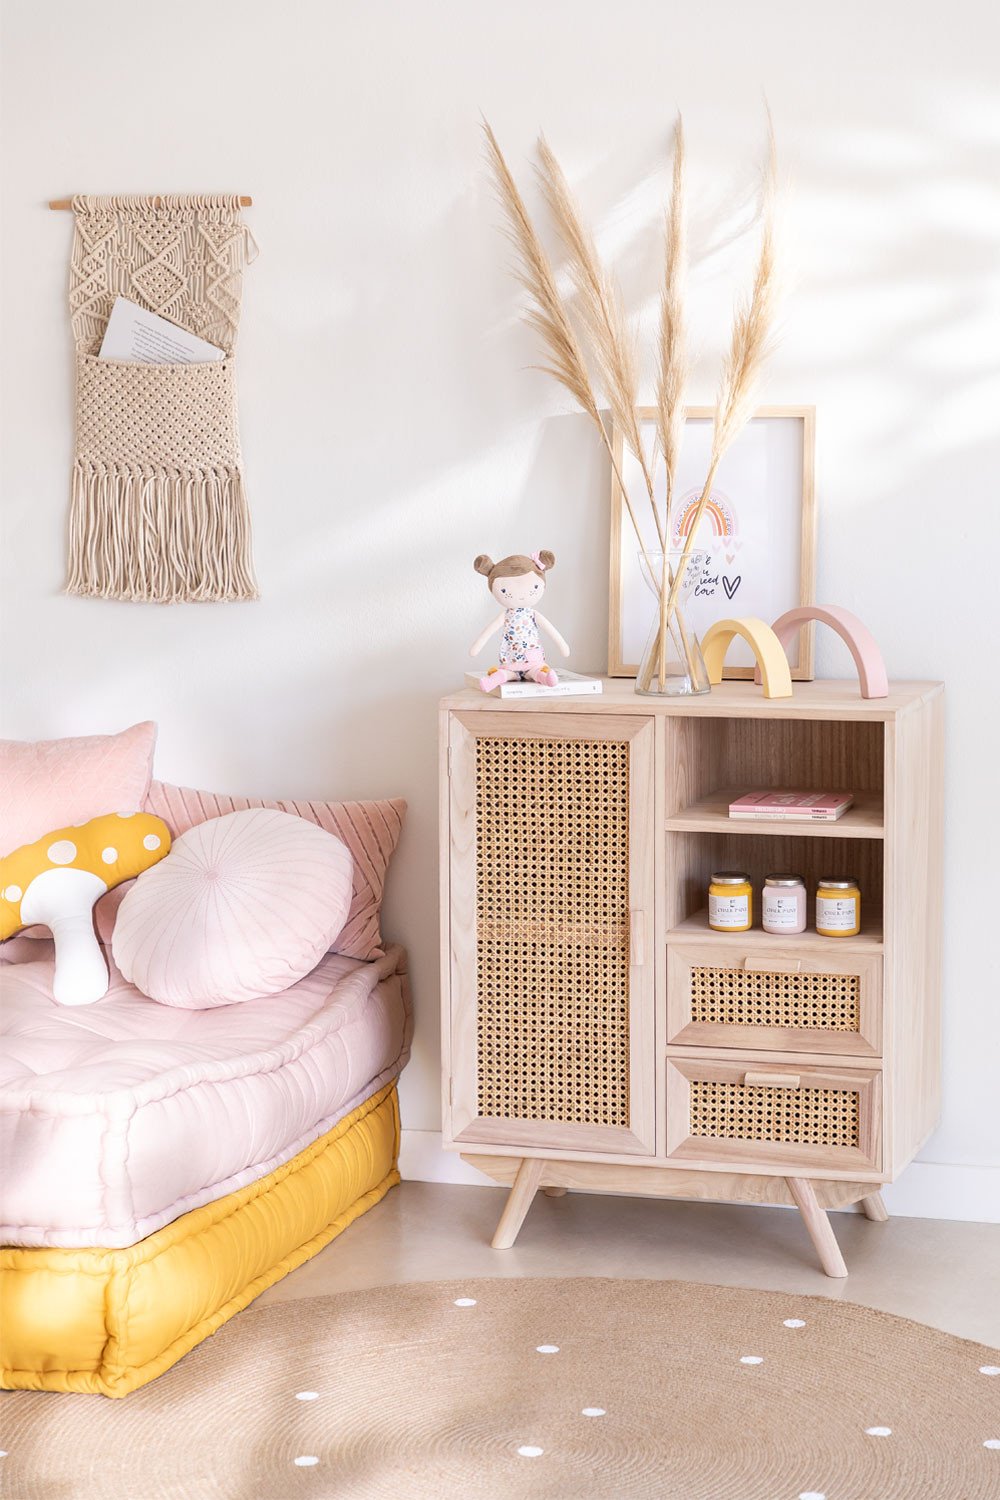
x=544, y=675
x=494, y=678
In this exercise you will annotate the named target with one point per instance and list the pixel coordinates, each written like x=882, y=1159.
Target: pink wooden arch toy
x=855, y=635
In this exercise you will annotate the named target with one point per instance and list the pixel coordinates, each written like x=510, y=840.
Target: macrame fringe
x=163, y=536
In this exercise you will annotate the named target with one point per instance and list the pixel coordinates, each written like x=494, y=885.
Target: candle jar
x=783, y=904
x=838, y=907
x=730, y=902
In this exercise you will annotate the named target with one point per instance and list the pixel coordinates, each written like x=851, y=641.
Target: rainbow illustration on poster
x=720, y=516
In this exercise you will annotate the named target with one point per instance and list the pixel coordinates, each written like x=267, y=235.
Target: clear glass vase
x=674, y=668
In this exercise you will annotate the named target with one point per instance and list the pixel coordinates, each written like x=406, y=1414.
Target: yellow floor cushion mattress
x=108, y=1321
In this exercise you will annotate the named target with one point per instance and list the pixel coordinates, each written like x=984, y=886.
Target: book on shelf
x=570, y=685
x=789, y=807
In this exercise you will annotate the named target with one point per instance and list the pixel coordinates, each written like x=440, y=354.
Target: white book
x=570, y=685
x=142, y=337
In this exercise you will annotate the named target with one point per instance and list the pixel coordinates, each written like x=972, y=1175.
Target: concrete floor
x=942, y=1273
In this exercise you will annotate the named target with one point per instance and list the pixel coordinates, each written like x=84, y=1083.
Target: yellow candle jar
x=730, y=902
x=838, y=907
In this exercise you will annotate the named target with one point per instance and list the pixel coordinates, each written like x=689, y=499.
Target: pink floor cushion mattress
x=118, y=1117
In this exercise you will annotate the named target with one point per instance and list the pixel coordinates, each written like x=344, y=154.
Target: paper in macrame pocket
x=159, y=512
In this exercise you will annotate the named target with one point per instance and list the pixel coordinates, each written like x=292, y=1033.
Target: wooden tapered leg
x=555, y=1192
x=873, y=1208
x=818, y=1224
x=518, y=1202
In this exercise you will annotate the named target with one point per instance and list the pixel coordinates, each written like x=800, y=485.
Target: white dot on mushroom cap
x=751, y=1359
x=795, y=1322
x=151, y=841
x=879, y=1431
x=12, y=893
x=306, y=1461
x=306, y=1395
x=530, y=1451
x=125, y=815
x=109, y=855
x=62, y=852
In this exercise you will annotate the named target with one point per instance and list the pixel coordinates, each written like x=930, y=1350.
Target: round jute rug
x=568, y=1389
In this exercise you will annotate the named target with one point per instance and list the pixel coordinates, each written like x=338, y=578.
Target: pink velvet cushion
x=57, y=783
x=369, y=829
x=242, y=906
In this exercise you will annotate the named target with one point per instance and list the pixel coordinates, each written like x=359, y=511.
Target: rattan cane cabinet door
x=551, y=900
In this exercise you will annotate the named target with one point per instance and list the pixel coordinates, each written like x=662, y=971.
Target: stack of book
x=781, y=807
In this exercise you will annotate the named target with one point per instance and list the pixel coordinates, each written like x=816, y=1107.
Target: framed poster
x=758, y=529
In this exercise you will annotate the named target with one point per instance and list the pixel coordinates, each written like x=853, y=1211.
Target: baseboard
x=926, y=1190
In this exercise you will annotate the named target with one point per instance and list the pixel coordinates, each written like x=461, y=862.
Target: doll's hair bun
x=483, y=564
x=545, y=560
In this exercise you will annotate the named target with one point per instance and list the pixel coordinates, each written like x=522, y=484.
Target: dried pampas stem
x=751, y=343
x=672, y=373
x=611, y=346
x=548, y=317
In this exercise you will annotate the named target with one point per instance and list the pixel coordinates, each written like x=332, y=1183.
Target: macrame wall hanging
x=158, y=511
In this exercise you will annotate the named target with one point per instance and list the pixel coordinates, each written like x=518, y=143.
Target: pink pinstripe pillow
x=369, y=829
x=242, y=906
x=58, y=783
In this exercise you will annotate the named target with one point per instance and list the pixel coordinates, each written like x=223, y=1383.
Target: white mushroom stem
x=63, y=901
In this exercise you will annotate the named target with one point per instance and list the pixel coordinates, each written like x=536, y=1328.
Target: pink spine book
x=816, y=807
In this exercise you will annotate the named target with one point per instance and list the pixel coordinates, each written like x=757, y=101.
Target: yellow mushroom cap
x=113, y=847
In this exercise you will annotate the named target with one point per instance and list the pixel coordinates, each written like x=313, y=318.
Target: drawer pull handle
x=637, y=938
x=773, y=965
x=772, y=1080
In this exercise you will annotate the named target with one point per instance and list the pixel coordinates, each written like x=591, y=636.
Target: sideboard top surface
x=829, y=699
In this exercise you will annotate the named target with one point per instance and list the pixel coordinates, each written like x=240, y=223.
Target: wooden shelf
x=696, y=929
x=710, y=814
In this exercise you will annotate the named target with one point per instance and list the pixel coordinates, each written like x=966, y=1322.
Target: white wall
x=392, y=428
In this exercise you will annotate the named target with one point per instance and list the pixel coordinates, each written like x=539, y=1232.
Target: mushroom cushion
x=55, y=881
x=246, y=905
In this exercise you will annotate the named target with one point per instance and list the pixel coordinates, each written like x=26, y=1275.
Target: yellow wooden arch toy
x=763, y=643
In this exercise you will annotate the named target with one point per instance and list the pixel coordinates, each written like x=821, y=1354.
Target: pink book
x=815, y=807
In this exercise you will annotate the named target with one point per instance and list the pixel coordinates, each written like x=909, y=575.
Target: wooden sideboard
x=598, y=1036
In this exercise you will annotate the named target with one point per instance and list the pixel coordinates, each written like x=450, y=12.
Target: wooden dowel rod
x=245, y=202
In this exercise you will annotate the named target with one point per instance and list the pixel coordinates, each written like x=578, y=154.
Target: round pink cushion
x=242, y=906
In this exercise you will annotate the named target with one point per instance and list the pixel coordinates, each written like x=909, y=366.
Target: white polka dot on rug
x=307, y=1395
x=812, y=1495
x=465, y=1301
x=528, y=1450
x=546, y=1348
x=992, y=1443
x=306, y=1461
x=879, y=1431
x=989, y=1369
x=795, y=1322
x=593, y=1411
x=751, y=1359
x=109, y=855
x=62, y=852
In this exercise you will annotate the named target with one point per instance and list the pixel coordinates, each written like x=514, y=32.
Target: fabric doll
x=517, y=583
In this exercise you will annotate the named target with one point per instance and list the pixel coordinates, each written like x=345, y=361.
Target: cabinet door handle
x=637, y=937
x=772, y=1080
x=773, y=965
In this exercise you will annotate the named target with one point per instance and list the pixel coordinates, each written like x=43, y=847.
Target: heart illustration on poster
x=731, y=584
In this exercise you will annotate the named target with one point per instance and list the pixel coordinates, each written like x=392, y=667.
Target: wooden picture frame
x=775, y=451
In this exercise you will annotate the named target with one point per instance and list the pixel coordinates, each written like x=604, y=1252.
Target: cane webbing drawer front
x=722, y=996
x=552, y=929
x=728, y=1110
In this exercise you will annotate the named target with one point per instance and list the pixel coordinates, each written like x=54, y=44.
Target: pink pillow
x=58, y=783
x=242, y=906
x=369, y=829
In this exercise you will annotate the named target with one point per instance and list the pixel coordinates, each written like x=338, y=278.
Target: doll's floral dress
x=520, y=643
